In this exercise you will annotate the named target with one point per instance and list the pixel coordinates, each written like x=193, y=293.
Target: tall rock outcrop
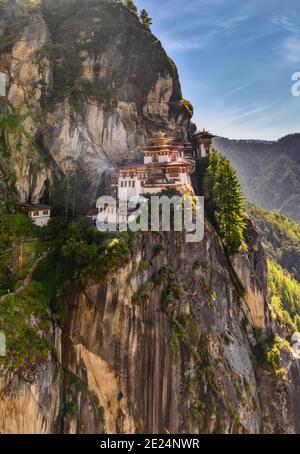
x=169, y=343
x=90, y=83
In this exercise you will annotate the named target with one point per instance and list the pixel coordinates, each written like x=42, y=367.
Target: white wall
x=164, y=159
x=126, y=192
x=203, y=151
x=41, y=221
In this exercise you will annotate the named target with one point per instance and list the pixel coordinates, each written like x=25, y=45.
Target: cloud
x=286, y=23
x=236, y=89
x=186, y=44
x=238, y=122
x=290, y=49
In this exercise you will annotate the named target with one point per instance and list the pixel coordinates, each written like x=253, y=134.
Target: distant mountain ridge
x=269, y=171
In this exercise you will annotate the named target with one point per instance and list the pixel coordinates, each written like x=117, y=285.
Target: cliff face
x=169, y=342
x=163, y=348
x=90, y=82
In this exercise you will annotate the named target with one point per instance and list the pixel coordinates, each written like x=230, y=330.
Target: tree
x=225, y=202
x=145, y=18
x=130, y=5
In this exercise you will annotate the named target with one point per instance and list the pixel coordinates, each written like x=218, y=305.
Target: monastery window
x=45, y=212
x=35, y=213
x=133, y=184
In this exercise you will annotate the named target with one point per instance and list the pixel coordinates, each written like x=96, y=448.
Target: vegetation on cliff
x=13, y=230
x=285, y=298
x=9, y=123
x=225, y=202
x=281, y=240
x=72, y=254
x=280, y=237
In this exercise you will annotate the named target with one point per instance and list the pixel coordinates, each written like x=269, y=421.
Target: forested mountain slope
x=268, y=171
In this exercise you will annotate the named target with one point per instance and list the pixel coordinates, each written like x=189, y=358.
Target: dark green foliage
x=197, y=412
x=158, y=250
x=225, y=202
x=210, y=292
x=70, y=410
x=13, y=228
x=145, y=18
x=143, y=294
x=245, y=323
x=268, y=352
x=86, y=252
x=25, y=321
x=173, y=289
x=144, y=265
x=198, y=265
x=10, y=123
x=77, y=252
x=178, y=334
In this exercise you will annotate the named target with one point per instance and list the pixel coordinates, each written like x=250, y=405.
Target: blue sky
x=235, y=59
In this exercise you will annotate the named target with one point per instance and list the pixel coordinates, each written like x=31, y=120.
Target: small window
x=35, y=213
x=133, y=184
x=45, y=212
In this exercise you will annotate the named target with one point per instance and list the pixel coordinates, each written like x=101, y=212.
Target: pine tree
x=145, y=18
x=225, y=202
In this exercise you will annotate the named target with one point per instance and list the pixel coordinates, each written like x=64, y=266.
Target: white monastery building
x=166, y=165
x=40, y=214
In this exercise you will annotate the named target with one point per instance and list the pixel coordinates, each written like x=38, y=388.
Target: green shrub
x=199, y=265
x=285, y=296
x=144, y=265
x=25, y=321
x=268, y=352
x=245, y=323
x=143, y=294
x=197, y=412
x=211, y=293
x=70, y=410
